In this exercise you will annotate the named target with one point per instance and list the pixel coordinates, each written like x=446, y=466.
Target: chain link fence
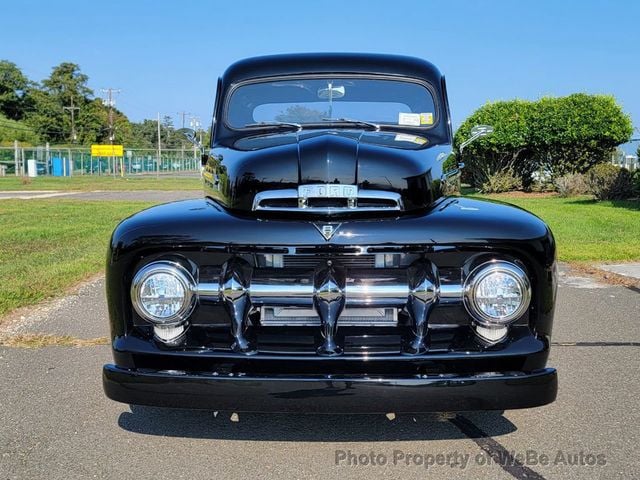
x=54, y=161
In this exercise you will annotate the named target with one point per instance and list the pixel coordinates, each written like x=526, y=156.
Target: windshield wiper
x=285, y=125
x=356, y=123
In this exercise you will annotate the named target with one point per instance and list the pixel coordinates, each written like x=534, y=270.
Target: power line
x=29, y=129
x=72, y=110
x=196, y=126
x=183, y=115
x=110, y=102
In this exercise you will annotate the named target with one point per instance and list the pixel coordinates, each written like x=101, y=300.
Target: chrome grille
x=327, y=199
x=312, y=261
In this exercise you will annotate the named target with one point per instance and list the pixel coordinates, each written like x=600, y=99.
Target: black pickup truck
x=328, y=268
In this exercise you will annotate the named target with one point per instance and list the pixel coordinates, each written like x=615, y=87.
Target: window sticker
x=412, y=119
x=403, y=137
x=426, y=118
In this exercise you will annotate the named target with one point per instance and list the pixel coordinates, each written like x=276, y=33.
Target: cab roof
x=310, y=63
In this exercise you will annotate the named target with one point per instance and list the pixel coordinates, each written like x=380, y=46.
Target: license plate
x=327, y=191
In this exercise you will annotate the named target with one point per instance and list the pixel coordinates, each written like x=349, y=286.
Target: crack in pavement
x=595, y=344
x=498, y=453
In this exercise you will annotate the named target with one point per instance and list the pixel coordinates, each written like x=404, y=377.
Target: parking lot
x=57, y=423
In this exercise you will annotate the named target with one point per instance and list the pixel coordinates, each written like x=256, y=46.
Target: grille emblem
x=327, y=230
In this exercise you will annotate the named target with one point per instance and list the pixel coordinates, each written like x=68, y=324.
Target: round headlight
x=163, y=293
x=497, y=293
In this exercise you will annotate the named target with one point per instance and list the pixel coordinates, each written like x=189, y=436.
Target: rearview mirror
x=476, y=132
x=331, y=92
x=481, y=130
x=190, y=135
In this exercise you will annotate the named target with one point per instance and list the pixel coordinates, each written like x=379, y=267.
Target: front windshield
x=309, y=101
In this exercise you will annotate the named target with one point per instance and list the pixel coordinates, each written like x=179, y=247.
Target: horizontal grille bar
x=312, y=261
x=307, y=317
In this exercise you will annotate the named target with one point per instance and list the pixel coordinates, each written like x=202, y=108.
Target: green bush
x=502, y=181
x=636, y=181
x=609, y=182
x=542, y=186
x=571, y=184
x=556, y=135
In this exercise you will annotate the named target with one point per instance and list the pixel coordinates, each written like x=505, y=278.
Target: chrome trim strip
x=281, y=294
x=208, y=289
x=384, y=289
x=450, y=293
x=383, y=195
x=290, y=193
x=273, y=195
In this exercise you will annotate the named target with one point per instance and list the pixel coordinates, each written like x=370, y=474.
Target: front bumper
x=330, y=393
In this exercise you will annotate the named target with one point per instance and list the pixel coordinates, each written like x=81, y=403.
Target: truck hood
x=405, y=166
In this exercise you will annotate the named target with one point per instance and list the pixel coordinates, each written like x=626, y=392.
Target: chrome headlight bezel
x=481, y=272
x=182, y=275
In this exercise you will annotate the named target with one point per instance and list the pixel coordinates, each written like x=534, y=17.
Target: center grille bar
x=364, y=288
x=307, y=317
x=347, y=261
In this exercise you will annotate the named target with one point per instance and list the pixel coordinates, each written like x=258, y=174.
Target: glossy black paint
x=340, y=394
x=245, y=162
x=211, y=368
x=326, y=156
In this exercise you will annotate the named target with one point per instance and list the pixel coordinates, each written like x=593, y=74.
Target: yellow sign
x=107, y=151
x=426, y=118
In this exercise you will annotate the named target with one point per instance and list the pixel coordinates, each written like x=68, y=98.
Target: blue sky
x=165, y=56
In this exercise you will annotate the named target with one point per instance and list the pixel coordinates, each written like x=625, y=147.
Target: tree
x=507, y=149
x=557, y=135
x=571, y=134
x=144, y=134
x=66, y=87
x=11, y=130
x=301, y=114
x=46, y=115
x=66, y=83
x=13, y=85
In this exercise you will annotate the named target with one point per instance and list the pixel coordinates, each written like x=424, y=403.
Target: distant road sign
x=107, y=151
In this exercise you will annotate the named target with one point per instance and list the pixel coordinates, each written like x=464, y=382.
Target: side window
x=216, y=106
x=445, y=101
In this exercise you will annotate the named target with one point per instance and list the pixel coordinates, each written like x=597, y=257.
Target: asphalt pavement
x=57, y=423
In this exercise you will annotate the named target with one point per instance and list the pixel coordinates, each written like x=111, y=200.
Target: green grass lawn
x=89, y=182
x=46, y=246
x=586, y=230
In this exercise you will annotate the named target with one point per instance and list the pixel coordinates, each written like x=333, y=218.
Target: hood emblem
x=327, y=230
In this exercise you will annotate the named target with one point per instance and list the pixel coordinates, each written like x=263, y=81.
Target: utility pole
x=159, y=149
x=183, y=115
x=16, y=156
x=71, y=109
x=110, y=102
x=194, y=123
